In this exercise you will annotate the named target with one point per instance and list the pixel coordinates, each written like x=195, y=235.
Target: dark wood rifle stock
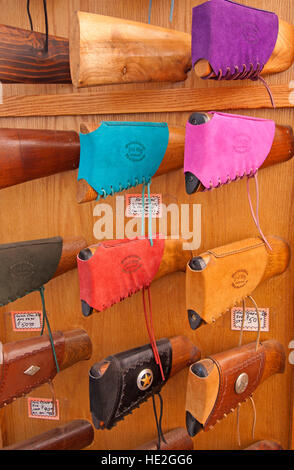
x=27, y=154
x=70, y=249
x=75, y=435
x=265, y=445
x=23, y=58
x=29, y=363
x=177, y=439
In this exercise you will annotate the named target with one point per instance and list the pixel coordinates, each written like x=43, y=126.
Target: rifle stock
x=108, y=50
x=177, y=439
x=27, y=154
x=282, y=150
x=70, y=249
x=75, y=435
x=265, y=445
x=172, y=160
x=29, y=363
x=174, y=259
x=23, y=58
x=120, y=383
x=241, y=369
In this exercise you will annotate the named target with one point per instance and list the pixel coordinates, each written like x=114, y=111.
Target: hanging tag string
x=150, y=329
x=158, y=421
x=256, y=217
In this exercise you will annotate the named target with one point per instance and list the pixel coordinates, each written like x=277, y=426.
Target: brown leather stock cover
x=229, y=378
x=230, y=273
x=17, y=359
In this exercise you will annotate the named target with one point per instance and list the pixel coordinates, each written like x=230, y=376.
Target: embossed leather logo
x=251, y=33
x=135, y=151
x=240, y=279
x=131, y=263
x=145, y=379
x=22, y=270
x=242, y=143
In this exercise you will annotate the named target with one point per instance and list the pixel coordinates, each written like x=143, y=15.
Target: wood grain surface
x=47, y=207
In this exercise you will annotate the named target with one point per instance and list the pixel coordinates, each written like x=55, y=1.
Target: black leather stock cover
x=116, y=393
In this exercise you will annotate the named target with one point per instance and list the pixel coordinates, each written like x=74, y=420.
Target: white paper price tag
x=251, y=320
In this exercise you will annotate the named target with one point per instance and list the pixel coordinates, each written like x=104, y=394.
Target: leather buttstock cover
x=231, y=273
x=18, y=357
x=27, y=266
x=118, y=269
x=230, y=365
x=129, y=380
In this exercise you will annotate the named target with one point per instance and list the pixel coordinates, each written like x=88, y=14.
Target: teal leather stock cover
x=121, y=155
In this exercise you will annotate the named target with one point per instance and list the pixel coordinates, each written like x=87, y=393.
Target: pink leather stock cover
x=227, y=147
x=118, y=269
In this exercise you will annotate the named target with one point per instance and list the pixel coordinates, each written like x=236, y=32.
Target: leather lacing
x=252, y=74
x=252, y=174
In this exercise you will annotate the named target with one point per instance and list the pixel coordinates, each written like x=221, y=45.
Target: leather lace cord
x=172, y=5
x=158, y=421
x=150, y=329
x=149, y=213
x=256, y=216
x=45, y=319
x=257, y=344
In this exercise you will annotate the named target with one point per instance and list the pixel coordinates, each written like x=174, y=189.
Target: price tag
x=27, y=320
x=134, y=206
x=43, y=408
x=251, y=320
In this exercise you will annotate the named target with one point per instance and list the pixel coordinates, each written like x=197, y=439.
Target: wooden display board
x=47, y=207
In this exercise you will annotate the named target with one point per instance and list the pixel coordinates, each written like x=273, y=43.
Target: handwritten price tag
x=251, y=320
x=134, y=206
x=43, y=408
x=27, y=320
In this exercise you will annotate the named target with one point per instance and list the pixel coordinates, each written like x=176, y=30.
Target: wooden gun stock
x=75, y=435
x=265, y=445
x=172, y=160
x=241, y=369
x=184, y=354
x=29, y=363
x=108, y=50
x=177, y=439
x=282, y=150
x=281, y=59
x=70, y=250
x=27, y=154
x=23, y=58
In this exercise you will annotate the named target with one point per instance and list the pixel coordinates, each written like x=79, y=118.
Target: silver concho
x=241, y=383
x=145, y=379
